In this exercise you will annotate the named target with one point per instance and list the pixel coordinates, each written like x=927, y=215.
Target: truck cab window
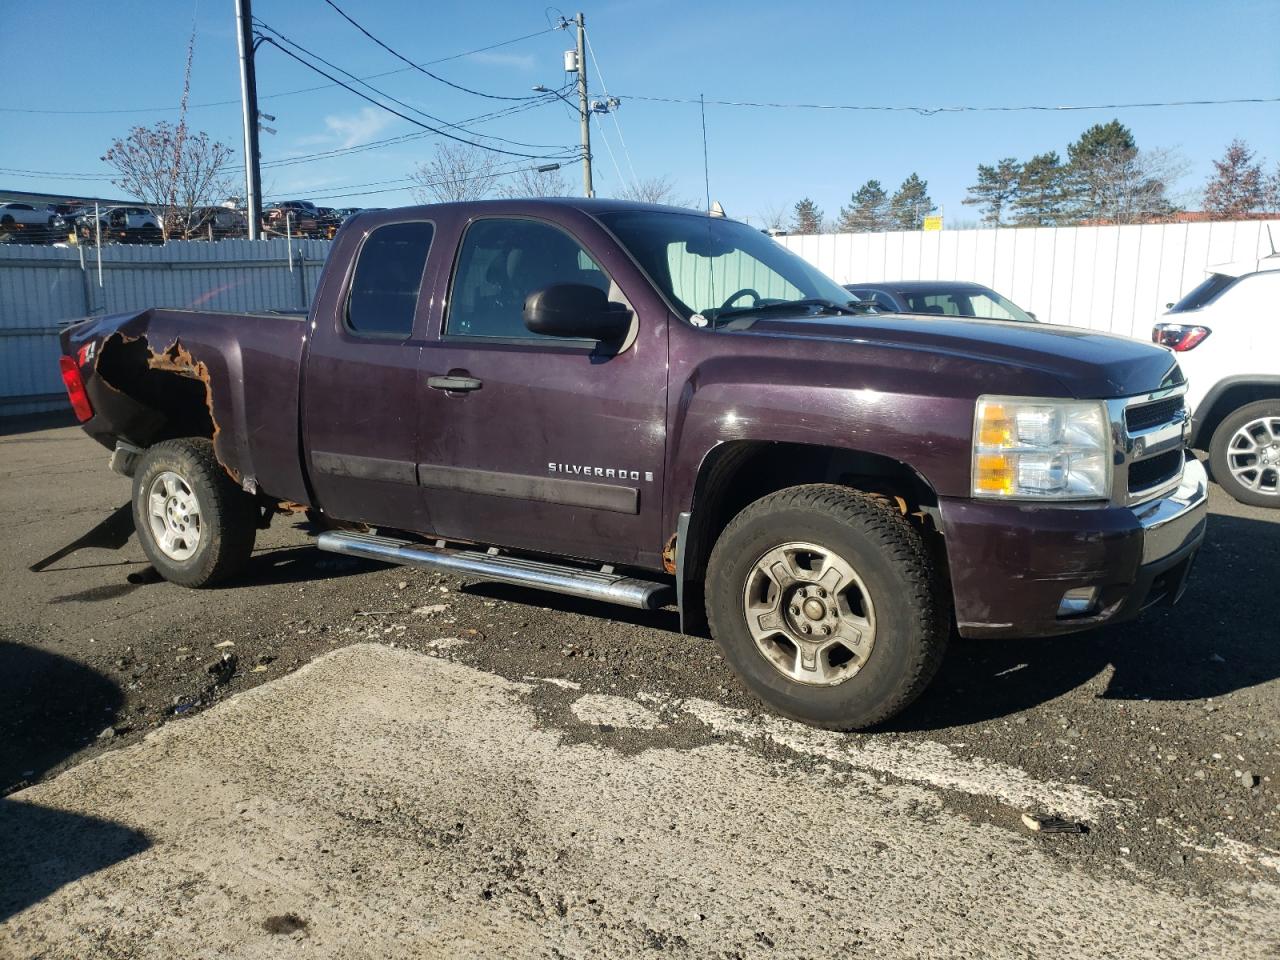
x=501, y=263
x=388, y=275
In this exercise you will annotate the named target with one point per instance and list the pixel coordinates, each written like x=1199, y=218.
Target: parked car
x=218, y=223
x=120, y=225
x=562, y=394
x=948, y=298
x=1224, y=335
x=27, y=222
x=299, y=218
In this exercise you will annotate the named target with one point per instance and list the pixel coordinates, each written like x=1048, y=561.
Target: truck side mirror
x=575, y=310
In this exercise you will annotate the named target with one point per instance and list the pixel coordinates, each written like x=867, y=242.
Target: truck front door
x=538, y=442
x=360, y=400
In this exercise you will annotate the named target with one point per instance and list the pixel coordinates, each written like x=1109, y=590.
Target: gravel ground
x=1164, y=735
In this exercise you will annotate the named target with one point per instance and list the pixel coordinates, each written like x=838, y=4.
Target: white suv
x=1225, y=333
x=25, y=214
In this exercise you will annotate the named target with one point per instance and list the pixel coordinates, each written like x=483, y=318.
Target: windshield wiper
x=823, y=306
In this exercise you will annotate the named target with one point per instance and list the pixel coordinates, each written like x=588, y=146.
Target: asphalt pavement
x=617, y=791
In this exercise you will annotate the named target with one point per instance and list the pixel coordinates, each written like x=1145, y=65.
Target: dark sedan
x=948, y=298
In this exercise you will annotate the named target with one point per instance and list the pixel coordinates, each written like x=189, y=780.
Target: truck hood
x=1087, y=363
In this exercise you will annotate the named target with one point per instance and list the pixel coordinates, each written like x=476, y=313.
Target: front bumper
x=1011, y=563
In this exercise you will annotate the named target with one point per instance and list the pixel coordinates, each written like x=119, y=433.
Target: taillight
x=1177, y=336
x=75, y=388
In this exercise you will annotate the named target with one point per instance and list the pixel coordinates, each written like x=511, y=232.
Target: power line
x=407, y=106
x=930, y=111
x=286, y=93
x=604, y=88
x=345, y=191
x=51, y=174
x=338, y=152
x=399, y=56
x=335, y=153
x=530, y=156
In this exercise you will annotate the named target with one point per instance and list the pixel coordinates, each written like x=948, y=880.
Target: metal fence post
x=302, y=280
x=85, y=284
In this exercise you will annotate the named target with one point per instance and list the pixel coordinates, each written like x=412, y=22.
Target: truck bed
x=161, y=372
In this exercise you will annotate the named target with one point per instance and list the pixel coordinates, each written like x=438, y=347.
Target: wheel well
x=169, y=384
x=1227, y=402
x=740, y=472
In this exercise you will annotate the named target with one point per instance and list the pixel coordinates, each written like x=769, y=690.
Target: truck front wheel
x=196, y=526
x=826, y=602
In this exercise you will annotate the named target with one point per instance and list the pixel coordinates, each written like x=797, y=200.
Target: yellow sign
x=933, y=223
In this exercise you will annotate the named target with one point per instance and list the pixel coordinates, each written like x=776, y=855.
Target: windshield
x=979, y=303
x=1206, y=291
x=714, y=267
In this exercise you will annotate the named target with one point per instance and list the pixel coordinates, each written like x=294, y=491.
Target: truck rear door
x=536, y=442
x=361, y=397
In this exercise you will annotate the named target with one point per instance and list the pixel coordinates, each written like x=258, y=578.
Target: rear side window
x=945, y=304
x=388, y=276
x=1207, y=291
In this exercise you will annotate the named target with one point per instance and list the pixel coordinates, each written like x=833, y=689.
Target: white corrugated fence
x=1116, y=279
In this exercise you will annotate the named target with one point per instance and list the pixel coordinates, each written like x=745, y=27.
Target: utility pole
x=249, y=103
x=584, y=106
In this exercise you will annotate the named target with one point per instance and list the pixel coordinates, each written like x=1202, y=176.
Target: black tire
x=1219, y=451
x=227, y=516
x=911, y=604
x=6, y=220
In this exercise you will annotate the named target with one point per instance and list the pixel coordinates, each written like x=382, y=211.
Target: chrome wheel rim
x=810, y=614
x=173, y=513
x=1253, y=456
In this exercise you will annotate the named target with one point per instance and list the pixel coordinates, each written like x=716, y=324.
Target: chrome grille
x=1150, y=437
x=1148, y=415
x=1154, y=471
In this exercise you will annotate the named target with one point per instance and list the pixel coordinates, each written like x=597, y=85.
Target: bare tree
x=457, y=172
x=653, y=190
x=774, y=217
x=171, y=171
x=202, y=182
x=529, y=182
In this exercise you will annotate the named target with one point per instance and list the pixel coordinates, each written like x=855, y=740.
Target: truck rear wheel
x=826, y=602
x=195, y=525
x=1245, y=454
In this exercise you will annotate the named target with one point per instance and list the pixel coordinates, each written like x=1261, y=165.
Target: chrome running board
x=491, y=565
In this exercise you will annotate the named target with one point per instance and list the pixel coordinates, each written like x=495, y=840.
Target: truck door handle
x=453, y=383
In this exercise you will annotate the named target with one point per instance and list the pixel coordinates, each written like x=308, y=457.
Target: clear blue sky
x=86, y=55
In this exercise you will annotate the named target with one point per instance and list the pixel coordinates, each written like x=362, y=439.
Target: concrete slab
x=381, y=803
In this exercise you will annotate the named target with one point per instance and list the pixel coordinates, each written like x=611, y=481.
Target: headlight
x=1026, y=448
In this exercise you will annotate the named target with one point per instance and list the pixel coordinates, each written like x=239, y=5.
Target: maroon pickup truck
x=646, y=406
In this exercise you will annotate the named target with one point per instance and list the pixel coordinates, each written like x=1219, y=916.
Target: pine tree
x=911, y=204
x=807, y=217
x=1042, y=192
x=996, y=189
x=1112, y=181
x=1237, y=186
x=868, y=210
